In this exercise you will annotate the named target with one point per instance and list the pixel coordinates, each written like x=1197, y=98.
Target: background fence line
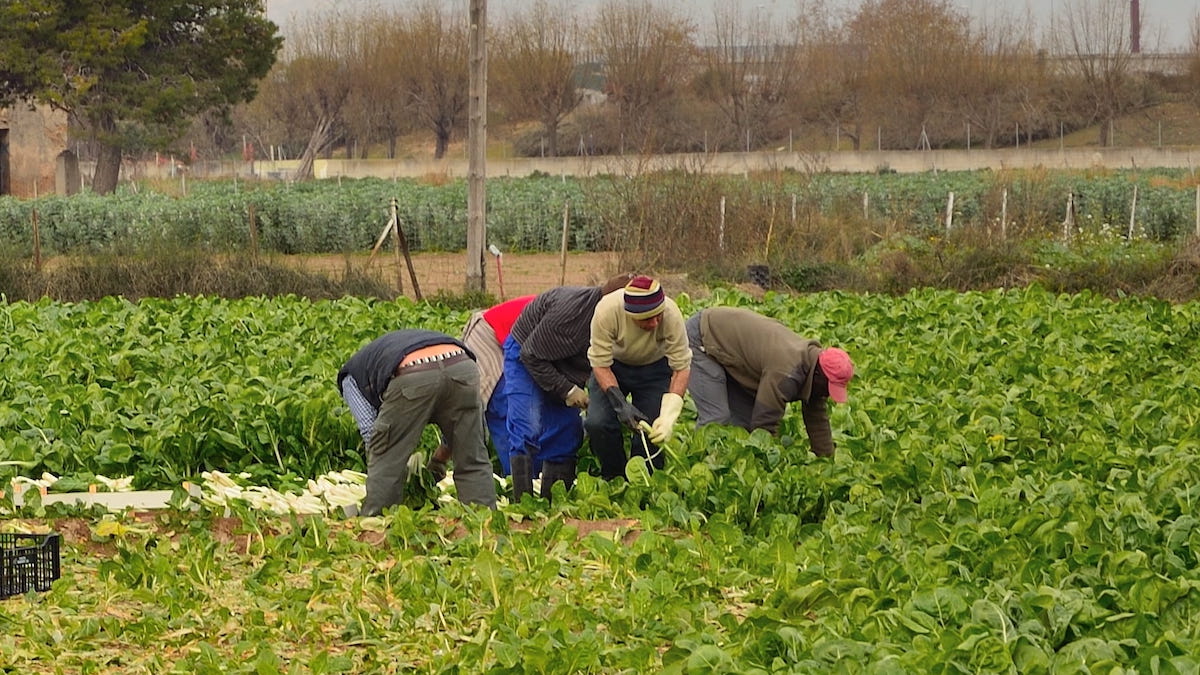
x=864, y=161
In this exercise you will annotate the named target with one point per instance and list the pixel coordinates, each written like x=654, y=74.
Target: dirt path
x=523, y=274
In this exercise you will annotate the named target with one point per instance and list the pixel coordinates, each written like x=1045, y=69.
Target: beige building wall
x=33, y=140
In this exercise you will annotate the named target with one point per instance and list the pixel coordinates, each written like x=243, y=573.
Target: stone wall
x=34, y=138
x=900, y=161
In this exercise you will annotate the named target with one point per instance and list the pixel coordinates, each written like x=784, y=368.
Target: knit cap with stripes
x=644, y=297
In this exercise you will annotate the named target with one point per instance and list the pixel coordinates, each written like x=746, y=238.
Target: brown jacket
x=767, y=358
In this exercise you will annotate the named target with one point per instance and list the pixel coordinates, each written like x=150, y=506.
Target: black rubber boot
x=522, y=480
x=553, y=472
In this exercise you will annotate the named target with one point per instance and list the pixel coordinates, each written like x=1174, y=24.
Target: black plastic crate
x=27, y=561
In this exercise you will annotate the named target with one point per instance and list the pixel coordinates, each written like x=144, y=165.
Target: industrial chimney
x=1135, y=27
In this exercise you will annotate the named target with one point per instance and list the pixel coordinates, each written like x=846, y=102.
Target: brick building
x=31, y=142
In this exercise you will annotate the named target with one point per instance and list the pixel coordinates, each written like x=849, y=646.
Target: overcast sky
x=1167, y=24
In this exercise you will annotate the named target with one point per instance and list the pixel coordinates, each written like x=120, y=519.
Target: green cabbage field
x=1014, y=491
x=526, y=214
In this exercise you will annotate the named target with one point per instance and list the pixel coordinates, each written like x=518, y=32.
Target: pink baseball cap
x=838, y=369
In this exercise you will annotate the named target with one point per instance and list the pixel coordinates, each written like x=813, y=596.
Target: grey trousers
x=445, y=395
x=719, y=398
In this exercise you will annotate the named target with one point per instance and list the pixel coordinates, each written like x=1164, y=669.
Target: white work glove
x=668, y=412
x=577, y=398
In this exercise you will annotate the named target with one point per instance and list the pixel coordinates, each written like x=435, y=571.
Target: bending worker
x=484, y=335
x=639, y=349
x=747, y=367
x=397, y=384
x=545, y=378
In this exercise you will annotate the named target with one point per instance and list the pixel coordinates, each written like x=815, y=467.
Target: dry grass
x=83, y=278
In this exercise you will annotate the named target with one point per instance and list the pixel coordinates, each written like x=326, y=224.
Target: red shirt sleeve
x=502, y=317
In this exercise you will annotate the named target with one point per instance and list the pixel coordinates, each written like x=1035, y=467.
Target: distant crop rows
x=526, y=214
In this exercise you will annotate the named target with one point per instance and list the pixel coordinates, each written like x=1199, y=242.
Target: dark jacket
x=374, y=366
x=777, y=365
x=554, y=332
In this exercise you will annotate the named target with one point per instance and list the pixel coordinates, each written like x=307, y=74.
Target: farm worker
x=545, y=378
x=397, y=384
x=747, y=367
x=484, y=335
x=638, y=348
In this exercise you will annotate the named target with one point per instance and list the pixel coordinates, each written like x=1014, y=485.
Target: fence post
x=562, y=277
x=403, y=246
x=396, y=240
x=1004, y=215
x=793, y=208
x=379, y=243
x=721, y=228
x=37, y=240
x=949, y=212
x=1132, y=213
x=866, y=205
x=1069, y=220
x=770, y=231
x=253, y=230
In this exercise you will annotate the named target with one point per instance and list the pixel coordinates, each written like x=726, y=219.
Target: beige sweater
x=616, y=337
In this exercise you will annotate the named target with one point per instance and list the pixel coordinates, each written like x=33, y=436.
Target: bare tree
x=532, y=67
x=271, y=119
x=309, y=87
x=376, y=110
x=1001, y=81
x=915, y=50
x=645, y=49
x=751, y=66
x=833, y=88
x=432, y=70
x=1095, y=52
x=366, y=77
x=363, y=104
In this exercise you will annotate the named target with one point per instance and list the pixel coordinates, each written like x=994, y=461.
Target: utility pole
x=477, y=147
x=1135, y=27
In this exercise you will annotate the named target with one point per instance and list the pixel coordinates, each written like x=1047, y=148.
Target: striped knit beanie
x=644, y=298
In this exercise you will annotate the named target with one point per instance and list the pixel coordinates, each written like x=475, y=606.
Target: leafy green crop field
x=1014, y=491
x=526, y=214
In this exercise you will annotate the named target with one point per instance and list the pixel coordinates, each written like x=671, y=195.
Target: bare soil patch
x=508, y=277
x=511, y=276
